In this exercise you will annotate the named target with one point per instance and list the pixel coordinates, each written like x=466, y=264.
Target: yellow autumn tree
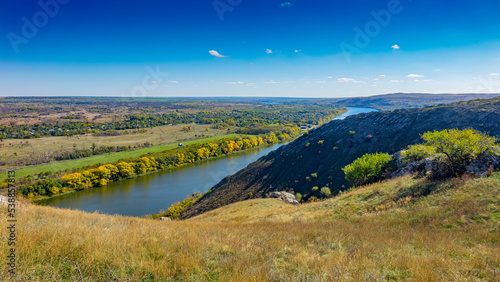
x=202, y=153
x=88, y=179
x=102, y=175
x=125, y=169
x=113, y=170
x=213, y=148
x=180, y=158
x=74, y=180
x=229, y=147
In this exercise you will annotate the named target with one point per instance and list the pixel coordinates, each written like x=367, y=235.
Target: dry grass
x=452, y=234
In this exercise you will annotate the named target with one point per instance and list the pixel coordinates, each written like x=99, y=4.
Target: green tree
x=325, y=192
x=417, y=153
x=460, y=147
x=367, y=169
x=298, y=196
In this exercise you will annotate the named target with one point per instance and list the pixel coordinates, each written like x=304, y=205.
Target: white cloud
x=321, y=81
x=344, y=79
x=382, y=75
x=414, y=75
x=296, y=51
x=286, y=5
x=216, y=54
x=272, y=82
x=426, y=80
x=438, y=69
x=269, y=51
x=395, y=47
x=174, y=81
x=329, y=77
x=154, y=81
x=376, y=79
x=416, y=80
x=494, y=74
x=235, y=82
x=394, y=81
x=251, y=84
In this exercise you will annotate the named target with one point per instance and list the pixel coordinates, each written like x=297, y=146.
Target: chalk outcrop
x=438, y=167
x=286, y=197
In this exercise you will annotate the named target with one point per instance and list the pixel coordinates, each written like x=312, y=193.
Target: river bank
x=167, y=169
x=150, y=193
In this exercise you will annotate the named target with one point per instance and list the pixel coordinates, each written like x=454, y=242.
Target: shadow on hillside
x=426, y=186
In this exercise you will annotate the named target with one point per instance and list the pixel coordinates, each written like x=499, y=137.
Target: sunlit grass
x=453, y=234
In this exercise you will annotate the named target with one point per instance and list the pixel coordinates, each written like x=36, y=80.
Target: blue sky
x=314, y=48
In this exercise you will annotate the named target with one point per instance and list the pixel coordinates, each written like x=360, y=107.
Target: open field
x=109, y=158
x=15, y=149
x=363, y=235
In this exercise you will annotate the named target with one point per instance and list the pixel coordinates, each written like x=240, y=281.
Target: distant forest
x=35, y=117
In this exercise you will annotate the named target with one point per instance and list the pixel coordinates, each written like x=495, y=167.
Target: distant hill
x=409, y=100
x=316, y=159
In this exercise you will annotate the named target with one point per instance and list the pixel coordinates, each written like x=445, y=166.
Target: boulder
x=484, y=163
x=286, y=197
x=165, y=218
x=275, y=194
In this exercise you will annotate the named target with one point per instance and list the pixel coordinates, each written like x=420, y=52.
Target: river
x=354, y=111
x=150, y=193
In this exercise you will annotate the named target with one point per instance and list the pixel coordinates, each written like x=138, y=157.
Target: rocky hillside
x=316, y=159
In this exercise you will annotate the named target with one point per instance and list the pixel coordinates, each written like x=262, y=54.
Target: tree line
x=242, y=118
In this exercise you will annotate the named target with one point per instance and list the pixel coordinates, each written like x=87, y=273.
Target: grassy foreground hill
x=316, y=159
x=384, y=231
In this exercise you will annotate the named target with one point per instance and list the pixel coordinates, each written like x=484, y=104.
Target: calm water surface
x=354, y=111
x=150, y=193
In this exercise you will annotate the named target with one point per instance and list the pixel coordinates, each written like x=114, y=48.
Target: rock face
x=286, y=197
x=343, y=141
x=483, y=164
x=438, y=167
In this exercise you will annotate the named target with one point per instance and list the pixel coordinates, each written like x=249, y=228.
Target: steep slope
x=316, y=159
